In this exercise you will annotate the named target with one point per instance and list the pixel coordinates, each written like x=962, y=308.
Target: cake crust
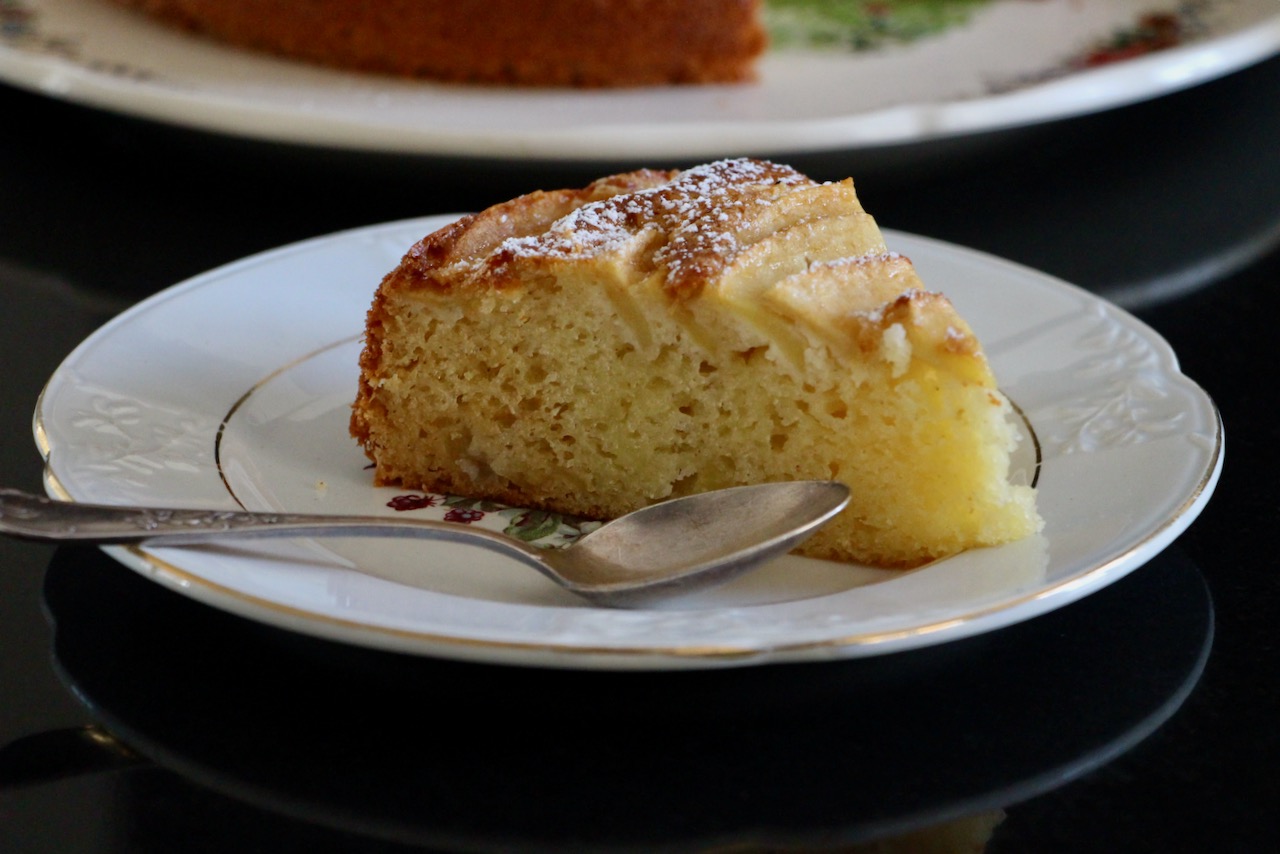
x=659, y=333
x=579, y=43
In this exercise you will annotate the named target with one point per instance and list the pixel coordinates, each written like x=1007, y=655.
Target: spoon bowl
x=681, y=545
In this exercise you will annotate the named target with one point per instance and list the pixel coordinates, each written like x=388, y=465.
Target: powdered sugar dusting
x=691, y=222
x=869, y=258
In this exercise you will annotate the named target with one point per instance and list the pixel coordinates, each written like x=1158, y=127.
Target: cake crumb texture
x=656, y=334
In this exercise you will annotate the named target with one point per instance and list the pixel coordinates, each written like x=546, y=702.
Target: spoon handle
x=34, y=517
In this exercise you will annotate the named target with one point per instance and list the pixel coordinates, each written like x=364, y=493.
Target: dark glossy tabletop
x=1141, y=718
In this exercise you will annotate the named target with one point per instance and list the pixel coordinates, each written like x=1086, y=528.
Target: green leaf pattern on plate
x=541, y=528
x=861, y=24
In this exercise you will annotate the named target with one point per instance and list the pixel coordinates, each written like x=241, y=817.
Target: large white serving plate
x=233, y=389
x=1014, y=63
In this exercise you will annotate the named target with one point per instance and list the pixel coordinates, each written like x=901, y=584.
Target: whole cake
x=519, y=42
x=657, y=334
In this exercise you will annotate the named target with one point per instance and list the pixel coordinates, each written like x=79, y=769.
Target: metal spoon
x=675, y=546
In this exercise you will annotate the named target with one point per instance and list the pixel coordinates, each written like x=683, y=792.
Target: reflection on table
x=403, y=749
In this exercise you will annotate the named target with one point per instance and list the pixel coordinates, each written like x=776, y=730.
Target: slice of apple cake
x=661, y=333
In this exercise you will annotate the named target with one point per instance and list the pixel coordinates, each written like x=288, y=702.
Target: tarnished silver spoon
x=675, y=546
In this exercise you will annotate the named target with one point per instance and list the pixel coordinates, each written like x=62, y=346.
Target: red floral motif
x=465, y=516
x=412, y=502
x=1153, y=32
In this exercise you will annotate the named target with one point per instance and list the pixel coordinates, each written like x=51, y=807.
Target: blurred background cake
x=588, y=43
x=585, y=43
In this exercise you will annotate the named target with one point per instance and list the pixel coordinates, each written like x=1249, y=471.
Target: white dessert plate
x=1012, y=63
x=233, y=389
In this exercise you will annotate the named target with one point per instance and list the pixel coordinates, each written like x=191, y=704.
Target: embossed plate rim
x=1020, y=314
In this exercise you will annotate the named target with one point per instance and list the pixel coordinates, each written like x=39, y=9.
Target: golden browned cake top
x=750, y=241
x=691, y=223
